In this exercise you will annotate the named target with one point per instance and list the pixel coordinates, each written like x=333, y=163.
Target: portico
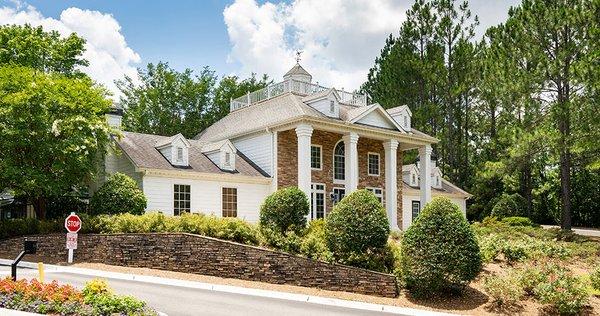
x=370, y=162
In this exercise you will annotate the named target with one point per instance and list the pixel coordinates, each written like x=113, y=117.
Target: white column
x=351, y=161
x=425, y=174
x=304, y=132
x=391, y=182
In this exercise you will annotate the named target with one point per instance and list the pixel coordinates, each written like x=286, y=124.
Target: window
x=338, y=194
x=315, y=157
x=416, y=208
x=229, y=202
x=227, y=159
x=179, y=154
x=414, y=179
x=378, y=193
x=373, y=164
x=181, y=199
x=332, y=106
x=437, y=179
x=405, y=121
x=317, y=201
x=339, y=163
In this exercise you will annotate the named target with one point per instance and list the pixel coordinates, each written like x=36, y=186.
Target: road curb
x=235, y=290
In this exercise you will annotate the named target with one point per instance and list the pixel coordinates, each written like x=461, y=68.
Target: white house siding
x=407, y=206
x=258, y=148
x=205, y=196
x=376, y=119
x=117, y=161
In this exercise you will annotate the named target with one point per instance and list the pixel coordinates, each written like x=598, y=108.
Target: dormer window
x=414, y=179
x=332, y=106
x=221, y=153
x=405, y=121
x=179, y=154
x=228, y=159
x=175, y=150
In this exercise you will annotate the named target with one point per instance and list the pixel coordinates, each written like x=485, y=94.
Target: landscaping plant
x=357, y=230
x=439, y=250
x=504, y=290
x=120, y=194
x=51, y=298
x=285, y=210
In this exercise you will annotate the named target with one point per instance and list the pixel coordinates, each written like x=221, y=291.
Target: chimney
x=114, y=117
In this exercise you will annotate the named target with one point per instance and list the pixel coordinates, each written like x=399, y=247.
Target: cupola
x=298, y=73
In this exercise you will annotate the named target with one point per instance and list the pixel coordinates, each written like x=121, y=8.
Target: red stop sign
x=73, y=223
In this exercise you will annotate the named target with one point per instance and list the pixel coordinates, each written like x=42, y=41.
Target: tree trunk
x=39, y=205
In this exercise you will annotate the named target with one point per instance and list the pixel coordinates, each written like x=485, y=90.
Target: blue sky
x=340, y=38
x=185, y=33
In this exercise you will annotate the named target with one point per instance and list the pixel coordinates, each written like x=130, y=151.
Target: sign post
x=73, y=225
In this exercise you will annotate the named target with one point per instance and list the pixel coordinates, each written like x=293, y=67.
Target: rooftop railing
x=291, y=85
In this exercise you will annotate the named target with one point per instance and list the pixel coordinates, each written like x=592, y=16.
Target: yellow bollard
x=41, y=271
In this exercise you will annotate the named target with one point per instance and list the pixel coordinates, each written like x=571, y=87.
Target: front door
x=317, y=201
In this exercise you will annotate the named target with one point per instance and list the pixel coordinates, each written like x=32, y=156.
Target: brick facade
x=287, y=164
x=208, y=256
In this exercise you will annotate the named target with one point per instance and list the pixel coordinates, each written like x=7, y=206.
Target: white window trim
x=372, y=189
x=173, y=196
x=337, y=181
x=177, y=151
x=378, y=164
x=236, y=187
x=320, y=157
x=324, y=191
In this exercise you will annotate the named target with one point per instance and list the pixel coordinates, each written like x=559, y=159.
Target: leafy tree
x=167, y=102
x=120, y=194
x=285, y=210
x=231, y=87
x=52, y=128
x=44, y=51
x=554, y=39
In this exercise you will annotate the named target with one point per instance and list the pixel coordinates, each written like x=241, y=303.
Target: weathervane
x=298, y=54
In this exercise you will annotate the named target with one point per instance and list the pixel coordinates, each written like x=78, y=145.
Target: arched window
x=339, y=162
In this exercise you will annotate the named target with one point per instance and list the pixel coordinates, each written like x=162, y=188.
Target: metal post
x=70, y=259
x=13, y=266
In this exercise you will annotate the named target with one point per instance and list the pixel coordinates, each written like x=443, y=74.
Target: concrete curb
x=234, y=290
x=12, y=312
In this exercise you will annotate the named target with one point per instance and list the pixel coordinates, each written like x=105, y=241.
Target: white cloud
x=339, y=38
x=109, y=56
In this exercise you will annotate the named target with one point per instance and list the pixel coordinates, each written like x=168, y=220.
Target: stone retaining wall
x=208, y=256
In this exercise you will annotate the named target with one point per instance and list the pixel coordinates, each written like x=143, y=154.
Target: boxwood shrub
x=120, y=194
x=285, y=210
x=439, y=250
x=509, y=205
x=357, y=230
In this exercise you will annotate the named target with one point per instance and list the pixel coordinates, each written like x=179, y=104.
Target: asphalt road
x=176, y=301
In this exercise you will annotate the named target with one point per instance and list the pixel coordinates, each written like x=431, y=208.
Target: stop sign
x=73, y=223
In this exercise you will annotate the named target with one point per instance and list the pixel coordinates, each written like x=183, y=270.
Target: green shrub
x=509, y=205
x=103, y=301
x=595, y=279
x=514, y=252
x=439, y=250
x=29, y=226
x=357, y=230
x=518, y=221
x=288, y=241
x=285, y=210
x=503, y=290
x=313, y=243
x=563, y=291
x=490, y=247
x=120, y=194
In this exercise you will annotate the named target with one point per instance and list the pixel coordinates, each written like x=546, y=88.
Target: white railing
x=291, y=85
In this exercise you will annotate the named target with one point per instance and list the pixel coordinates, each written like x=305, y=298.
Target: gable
x=374, y=118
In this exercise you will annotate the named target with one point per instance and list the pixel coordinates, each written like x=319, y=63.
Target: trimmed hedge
x=285, y=210
x=357, y=230
x=120, y=194
x=439, y=250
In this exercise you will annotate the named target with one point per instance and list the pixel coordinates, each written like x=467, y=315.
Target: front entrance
x=317, y=201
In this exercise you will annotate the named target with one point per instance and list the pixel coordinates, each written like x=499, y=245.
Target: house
x=411, y=200
x=325, y=141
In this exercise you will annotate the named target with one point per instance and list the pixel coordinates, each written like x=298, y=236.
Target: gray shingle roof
x=447, y=186
x=256, y=116
x=297, y=70
x=140, y=148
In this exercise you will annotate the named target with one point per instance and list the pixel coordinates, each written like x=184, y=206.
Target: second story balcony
x=295, y=86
